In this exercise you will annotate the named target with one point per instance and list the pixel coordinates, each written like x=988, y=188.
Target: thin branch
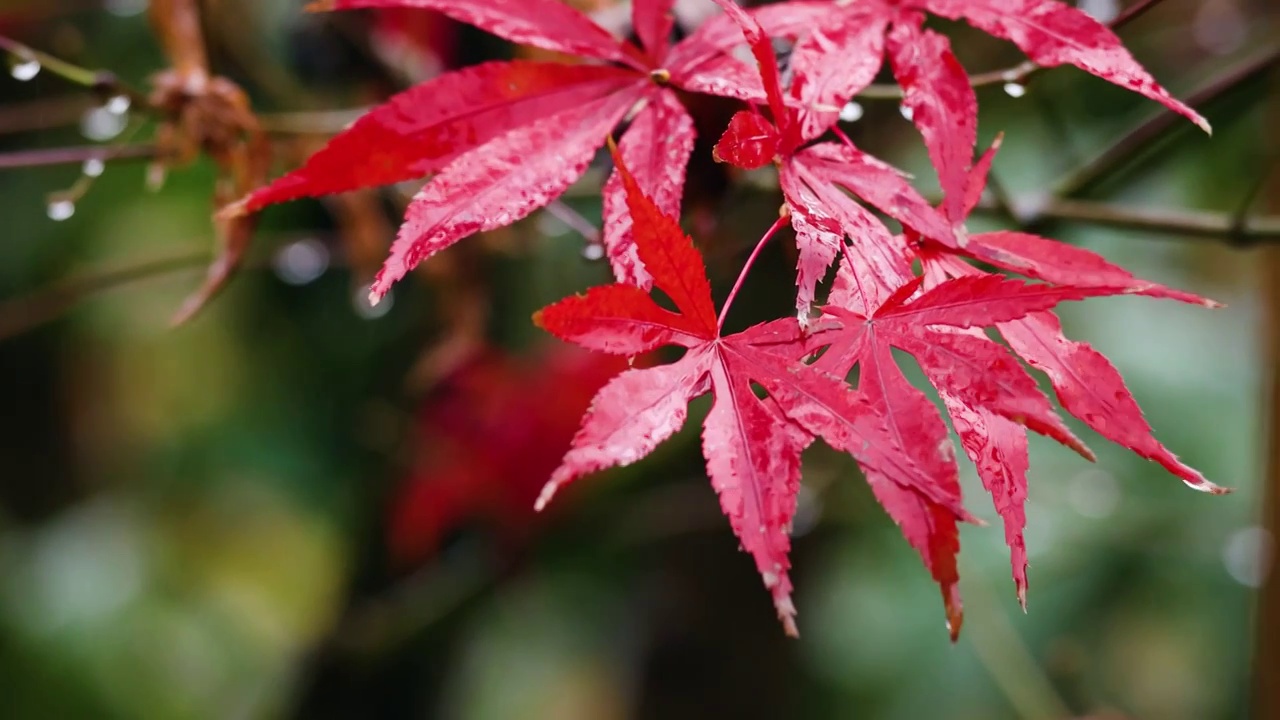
x=574, y=220
x=42, y=114
x=1017, y=74
x=1178, y=223
x=75, y=155
x=742, y=276
x=102, y=82
x=28, y=312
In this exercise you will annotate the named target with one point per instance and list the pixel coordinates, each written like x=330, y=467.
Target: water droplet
x=118, y=105
x=24, y=71
x=302, y=262
x=851, y=112
x=1248, y=555
x=93, y=167
x=366, y=309
x=1015, y=90
x=593, y=251
x=907, y=112
x=101, y=124
x=60, y=210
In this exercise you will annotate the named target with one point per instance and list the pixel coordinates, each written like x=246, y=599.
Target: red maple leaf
x=502, y=139
x=988, y=395
x=752, y=444
x=840, y=43
x=811, y=177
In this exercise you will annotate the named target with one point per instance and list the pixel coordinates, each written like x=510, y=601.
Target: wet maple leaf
x=503, y=139
x=989, y=396
x=842, y=40
x=812, y=176
x=752, y=444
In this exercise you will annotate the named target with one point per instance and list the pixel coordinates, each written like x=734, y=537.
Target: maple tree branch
x=565, y=213
x=25, y=313
x=742, y=276
x=1015, y=74
x=1185, y=223
x=76, y=155
x=42, y=114
x=102, y=82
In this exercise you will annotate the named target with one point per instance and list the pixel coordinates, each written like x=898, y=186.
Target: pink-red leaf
x=618, y=319
x=880, y=185
x=1054, y=33
x=420, y=130
x=1089, y=387
x=750, y=141
x=548, y=24
x=943, y=105
x=669, y=255
x=522, y=171
x=998, y=449
x=831, y=65
x=1058, y=262
x=753, y=460
x=982, y=300
x=762, y=50
x=656, y=148
x=652, y=20
x=630, y=416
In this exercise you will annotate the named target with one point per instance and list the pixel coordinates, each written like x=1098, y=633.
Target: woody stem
x=742, y=276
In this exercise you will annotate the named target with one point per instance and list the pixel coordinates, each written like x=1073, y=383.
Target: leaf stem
x=782, y=220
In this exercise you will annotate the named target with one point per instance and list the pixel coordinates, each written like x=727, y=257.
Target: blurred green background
x=300, y=506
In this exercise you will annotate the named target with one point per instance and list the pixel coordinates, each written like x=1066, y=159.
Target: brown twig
x=76, y=155
x=1017, y=74
x=1177, y=223
x=22, y=314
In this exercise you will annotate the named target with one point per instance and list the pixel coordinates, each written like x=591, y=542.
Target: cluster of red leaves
x=502, y=139
x=488, y=436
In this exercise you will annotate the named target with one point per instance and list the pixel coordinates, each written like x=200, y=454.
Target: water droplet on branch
x=60, y=210
x=24, y=71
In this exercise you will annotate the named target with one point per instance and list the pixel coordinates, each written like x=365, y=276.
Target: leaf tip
x=955, y=614
x=548, y=492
